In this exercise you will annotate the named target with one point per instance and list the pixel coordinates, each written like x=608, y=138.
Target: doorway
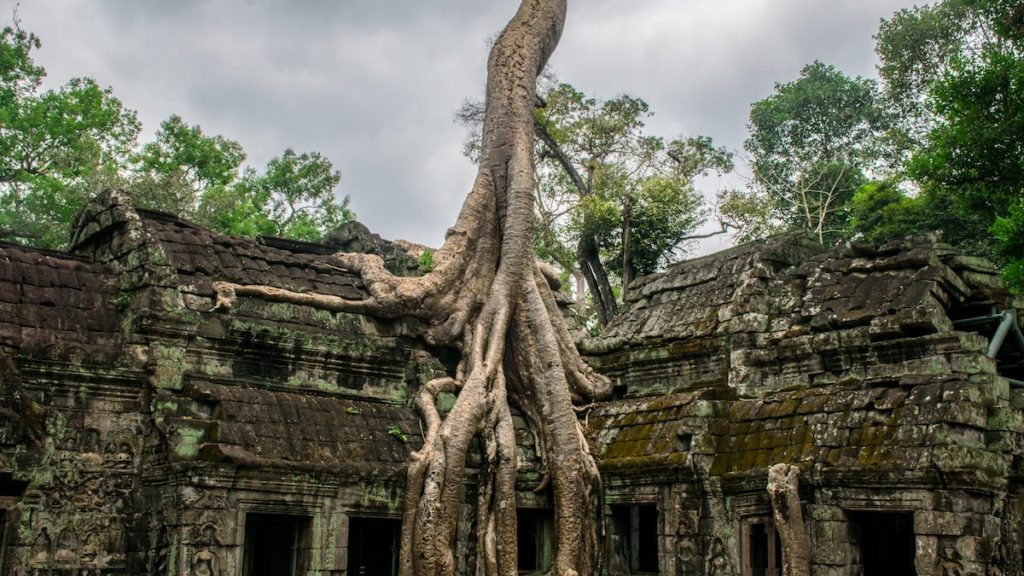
x=373, y=546
x=885, y=541
x=276, y=545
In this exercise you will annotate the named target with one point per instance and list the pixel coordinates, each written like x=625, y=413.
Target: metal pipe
x=1015, y=383
x=1007, y=325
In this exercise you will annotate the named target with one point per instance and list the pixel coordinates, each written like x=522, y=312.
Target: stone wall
x=143, y=431
x=845, y=362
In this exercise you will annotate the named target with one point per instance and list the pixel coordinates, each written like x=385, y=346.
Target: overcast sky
x=373, y=84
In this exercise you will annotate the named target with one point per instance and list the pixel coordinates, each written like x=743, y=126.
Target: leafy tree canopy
x=187, y=172
x=61, y=146
x=811, y=143
x=612, y=202
x=57, y=147
x=958, y=67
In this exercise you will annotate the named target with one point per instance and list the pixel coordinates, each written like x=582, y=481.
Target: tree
x=613, y=202
x=810, y=144
x=175, y=171
x=57, y=147
x=784, y=493
x=920, y=45
x=292, y=198
x=60, y=147
x=966, y=84
x=188, y=173
x=488, y=295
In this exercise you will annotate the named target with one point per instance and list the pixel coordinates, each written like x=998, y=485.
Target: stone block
x=926, y=553
x=828, y=543
x=930, y=522
x=821, y=513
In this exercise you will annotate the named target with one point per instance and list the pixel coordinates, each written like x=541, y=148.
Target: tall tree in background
x=57, y=147
x=810, y=144
x=488, y=295
x=958, y=67
x=175, y=171
x=60, y=147
x=200, y=177
x=612, y=201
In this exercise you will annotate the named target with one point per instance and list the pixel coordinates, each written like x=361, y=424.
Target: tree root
x=783, y=489
x=487, y=296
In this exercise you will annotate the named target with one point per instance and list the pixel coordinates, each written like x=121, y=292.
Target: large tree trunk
x=783, y=488
x=488, y=296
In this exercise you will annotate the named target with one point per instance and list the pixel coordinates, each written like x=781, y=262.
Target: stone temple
x=144, y=432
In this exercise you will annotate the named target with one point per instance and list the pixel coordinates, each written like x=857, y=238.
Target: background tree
x=186, y=172
x=959, y=65
x=60, y=147
x=57, y=147
x=292, y=198
x=173, y=172
x=810, y=145
x=613, y=202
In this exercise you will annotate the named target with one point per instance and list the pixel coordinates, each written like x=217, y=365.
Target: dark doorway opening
x=276, y=545
x=636, y=529
x=373, y=546
x=761, y=548
x=886, y=542
x=534, y=539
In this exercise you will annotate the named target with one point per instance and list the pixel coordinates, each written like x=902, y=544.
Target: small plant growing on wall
x=426, y=262
x=397, y=433
x=352, y=410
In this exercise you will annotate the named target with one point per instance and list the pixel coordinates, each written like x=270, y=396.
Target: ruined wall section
x=845, y=362
x=166, y=424
x=71, y=416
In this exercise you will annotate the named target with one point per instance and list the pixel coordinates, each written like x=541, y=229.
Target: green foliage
x=810, y=143
x=293, y=198
x=1009, y=232
x=398, y=434
x=57, y=147
x=627, y=179
x=919, y=46
x=881, y=211
x=186, y=172
x=176, y=170
x=602, y=179
x=969, y=81
x=60, y=147
x=426, y=262
x=123, y=300
x=353, y=410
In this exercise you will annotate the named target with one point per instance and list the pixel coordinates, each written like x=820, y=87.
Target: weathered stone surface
x=139, y=429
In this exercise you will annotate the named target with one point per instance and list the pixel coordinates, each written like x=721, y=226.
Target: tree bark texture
x=488, y=296
x=783, y=485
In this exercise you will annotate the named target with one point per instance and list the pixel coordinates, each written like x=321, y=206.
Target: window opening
x=534, y=542
x=760, y=547
x=373, y=546
x=11, y=491
x=886, y=542
x=275, y=545
x=635, y=527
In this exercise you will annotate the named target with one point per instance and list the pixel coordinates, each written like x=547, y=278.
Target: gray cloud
x=373, y=85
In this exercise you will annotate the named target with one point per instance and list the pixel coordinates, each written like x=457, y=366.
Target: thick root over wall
x=488, y=296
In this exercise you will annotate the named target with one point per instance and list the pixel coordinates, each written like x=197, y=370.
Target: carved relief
x=718, y=562
x=67, y=546
x=205, y=560
x=41, y=546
